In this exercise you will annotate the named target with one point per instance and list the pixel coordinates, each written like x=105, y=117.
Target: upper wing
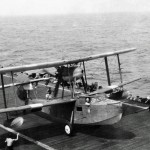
x=36, y=106
x=60, y=63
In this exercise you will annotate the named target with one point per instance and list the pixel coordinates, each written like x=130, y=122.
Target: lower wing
x=36, y=106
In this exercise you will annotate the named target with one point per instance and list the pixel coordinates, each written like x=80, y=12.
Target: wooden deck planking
x=132, y=132
x=129, y=133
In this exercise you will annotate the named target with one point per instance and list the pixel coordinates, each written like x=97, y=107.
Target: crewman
x=87, y=101
x=138, y=99
x=49, y=94
x=129, y=97
x=9, y=141
x=148, y=100
x=28, y=88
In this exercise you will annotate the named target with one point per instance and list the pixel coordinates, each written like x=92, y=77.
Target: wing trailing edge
x=62, y=62
x=36, y=105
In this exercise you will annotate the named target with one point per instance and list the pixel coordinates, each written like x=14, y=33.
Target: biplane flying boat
x=84, y=105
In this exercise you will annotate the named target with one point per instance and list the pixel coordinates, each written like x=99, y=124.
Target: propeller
x=65, y=76
x=59, y=81
x=50, y=74
x=58, y=76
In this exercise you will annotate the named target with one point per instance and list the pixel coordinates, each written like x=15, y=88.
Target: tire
x=68, y=129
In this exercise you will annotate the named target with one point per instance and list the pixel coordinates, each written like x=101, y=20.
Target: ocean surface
x=36, y=39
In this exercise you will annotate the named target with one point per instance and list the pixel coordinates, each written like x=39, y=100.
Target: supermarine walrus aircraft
x=84, y=104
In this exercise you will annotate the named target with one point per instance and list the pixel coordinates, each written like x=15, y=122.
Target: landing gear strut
x=69, y=125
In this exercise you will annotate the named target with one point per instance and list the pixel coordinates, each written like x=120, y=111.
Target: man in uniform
x=9, y=142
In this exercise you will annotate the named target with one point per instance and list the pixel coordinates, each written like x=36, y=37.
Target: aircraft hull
x=98, y=113
x=61, y=113
x=111, y=121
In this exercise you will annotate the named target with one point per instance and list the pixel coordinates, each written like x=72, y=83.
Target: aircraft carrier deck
x=132, y=132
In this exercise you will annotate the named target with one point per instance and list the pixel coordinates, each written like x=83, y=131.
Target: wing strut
x=4, y=97
x=119, y=65
x=85, y=78
x=63, y=90
x=107, y=71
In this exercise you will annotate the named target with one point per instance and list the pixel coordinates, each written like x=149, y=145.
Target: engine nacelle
x=69, y=74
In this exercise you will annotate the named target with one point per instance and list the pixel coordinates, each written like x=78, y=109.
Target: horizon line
x=67, y=14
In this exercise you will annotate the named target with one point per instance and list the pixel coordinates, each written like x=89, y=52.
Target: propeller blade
x=57, y=87
x=137, y=106
x=22, y=78
x=46, y=71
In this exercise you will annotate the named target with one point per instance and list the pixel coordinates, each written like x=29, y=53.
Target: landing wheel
x=68, y=129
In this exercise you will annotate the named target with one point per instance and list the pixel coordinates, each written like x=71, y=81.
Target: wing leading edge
x=63, y=62
x=36, y=106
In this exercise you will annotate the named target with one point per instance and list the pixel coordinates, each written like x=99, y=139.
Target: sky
x=50, y=7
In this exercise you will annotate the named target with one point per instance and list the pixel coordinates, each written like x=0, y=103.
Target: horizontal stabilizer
x=109, y=89
x=128, y=82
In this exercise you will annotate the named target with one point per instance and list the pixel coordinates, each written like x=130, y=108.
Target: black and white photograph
x=74, y=75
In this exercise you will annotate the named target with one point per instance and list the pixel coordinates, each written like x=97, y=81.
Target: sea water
x=36, y=39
